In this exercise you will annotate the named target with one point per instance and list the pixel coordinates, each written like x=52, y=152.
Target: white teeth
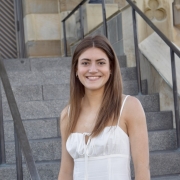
x=93, y=77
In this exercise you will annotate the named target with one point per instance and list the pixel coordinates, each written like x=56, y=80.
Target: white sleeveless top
x=104, y=157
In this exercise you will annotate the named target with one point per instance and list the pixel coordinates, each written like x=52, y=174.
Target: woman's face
x=93, y=69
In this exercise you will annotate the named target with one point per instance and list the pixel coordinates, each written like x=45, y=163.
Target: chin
x=94, y=88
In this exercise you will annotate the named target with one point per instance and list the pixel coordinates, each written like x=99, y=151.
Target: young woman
x=101, y=128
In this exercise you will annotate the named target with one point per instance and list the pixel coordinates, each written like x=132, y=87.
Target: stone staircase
x=41, y=88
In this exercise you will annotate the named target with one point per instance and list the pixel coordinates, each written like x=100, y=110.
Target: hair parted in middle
x=111, y=102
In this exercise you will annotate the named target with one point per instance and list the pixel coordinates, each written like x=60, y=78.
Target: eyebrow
x=90, y=59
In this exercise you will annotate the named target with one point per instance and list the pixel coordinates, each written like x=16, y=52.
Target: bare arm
x=67, y=164
x=137, y=130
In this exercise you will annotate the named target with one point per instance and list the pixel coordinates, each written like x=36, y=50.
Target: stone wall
x=68, y=5
x=164, y=15
x=176, y=15
x=40, y=7
x=159, y=12
x=42, y=28
x=93, y=15
x=121, y=3
x=176, y=21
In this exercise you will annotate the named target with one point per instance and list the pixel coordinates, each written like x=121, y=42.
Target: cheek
x=107, y=70
x=81, y=71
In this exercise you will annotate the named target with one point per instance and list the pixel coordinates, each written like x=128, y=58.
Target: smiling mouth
x=93, y=77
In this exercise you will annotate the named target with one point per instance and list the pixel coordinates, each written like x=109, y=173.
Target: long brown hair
x=111, y=102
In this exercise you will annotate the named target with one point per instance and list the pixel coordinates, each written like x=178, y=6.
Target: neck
x=93, y=99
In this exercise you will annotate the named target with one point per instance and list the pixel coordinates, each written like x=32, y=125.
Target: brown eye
x=101, y=63
x=85, y=63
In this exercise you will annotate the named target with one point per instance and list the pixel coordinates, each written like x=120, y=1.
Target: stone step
x=52, y=108
x=162, y=140
x=128, y=74
x=162, y=163
x=26, y=93
x=149, y=102
x=159, y=120
x=39, y=78
x=174, y=177
x=131, y=87
x=35, y=129
x=62, y=76
x=49, y=149
x=42, y=149
x=47, y=171
x=165, y=163
x=60, y=91
x=49, y=128
x=37, y=64
x=37, y=109
x=122, y=61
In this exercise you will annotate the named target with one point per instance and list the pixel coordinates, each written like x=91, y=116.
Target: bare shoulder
x=64, y=112
x=133, y=110
x=133, y=102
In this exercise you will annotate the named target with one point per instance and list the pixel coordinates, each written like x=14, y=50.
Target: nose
x=93, y=68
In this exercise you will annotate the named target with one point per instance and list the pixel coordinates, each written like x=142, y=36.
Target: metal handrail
x=74, y=10
x=173, y=49
x=18, y=6
x=21, y=140
x=79, y=6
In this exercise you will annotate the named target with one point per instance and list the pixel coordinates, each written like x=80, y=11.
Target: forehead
x=93, y=53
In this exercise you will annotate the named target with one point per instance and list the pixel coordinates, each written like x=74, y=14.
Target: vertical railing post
x=81, y=22
x=2, y=143
x=65, y=40
x=18, y=6
x=104, y=18
x=137, y=52
x=176, y=99
x=19, y=168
